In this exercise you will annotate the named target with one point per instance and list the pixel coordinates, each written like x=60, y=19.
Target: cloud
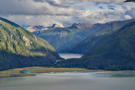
x=65, y=12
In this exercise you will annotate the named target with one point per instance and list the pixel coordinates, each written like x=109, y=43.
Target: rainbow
x=29, y=28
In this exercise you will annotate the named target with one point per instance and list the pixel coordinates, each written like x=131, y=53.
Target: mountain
x=61, y=38
x=87, y=44
x=20, y=48
x=114, y=51
x=69, y=39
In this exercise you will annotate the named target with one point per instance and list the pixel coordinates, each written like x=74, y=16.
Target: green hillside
x=18, y=47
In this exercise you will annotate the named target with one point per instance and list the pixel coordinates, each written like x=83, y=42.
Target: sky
x=65, y=12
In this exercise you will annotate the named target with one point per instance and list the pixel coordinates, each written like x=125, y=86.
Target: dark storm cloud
x=31, y=7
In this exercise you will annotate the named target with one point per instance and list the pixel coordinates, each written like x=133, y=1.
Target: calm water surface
x=70, y=55
x=70, y=81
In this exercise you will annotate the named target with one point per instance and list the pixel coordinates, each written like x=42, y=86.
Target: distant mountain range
x=115, y=51
x=20, y=48
x=73, y=39
x=39, y=28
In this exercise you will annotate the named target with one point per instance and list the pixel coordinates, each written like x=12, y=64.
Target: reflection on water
x=69, y=81
x=70, y=55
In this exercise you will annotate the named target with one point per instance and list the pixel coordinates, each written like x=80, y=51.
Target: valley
x=99, y=46
x=91, y=41
x=67, y=44
x=69, y=39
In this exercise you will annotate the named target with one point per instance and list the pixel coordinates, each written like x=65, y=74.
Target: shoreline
x=32, y=71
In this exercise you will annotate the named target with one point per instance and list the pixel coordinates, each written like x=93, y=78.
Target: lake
x=71, y=81
x=70, y=55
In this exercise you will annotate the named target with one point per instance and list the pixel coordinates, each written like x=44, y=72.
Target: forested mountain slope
x=20, y=48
